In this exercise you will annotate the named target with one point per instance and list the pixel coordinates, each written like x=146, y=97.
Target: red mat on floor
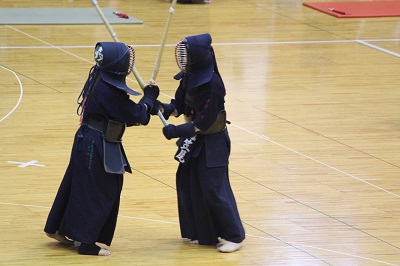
x=358, y=9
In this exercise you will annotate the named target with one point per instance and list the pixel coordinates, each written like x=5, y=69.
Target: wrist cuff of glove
x=151, y=91
x=168, y=109
x=148, y=101
x=186, y=130
x=150, y=96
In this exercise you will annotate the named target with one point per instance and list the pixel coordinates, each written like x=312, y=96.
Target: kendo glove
x=151, y=93
x=166, y=109
x=184, y=130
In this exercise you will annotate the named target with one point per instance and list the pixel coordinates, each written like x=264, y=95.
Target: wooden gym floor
x=313, y=102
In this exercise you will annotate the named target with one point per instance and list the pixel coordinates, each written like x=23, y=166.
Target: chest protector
x=192, y=107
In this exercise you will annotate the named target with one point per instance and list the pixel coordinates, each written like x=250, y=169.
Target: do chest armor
x=191, y=101
x=192, y=107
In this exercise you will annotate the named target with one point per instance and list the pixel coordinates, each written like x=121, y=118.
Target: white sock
x=229, y=247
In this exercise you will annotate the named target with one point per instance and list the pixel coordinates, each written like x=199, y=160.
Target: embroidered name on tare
x=185, y=148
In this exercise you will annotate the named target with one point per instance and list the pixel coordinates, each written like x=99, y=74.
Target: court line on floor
x=378, y=48
x=20, y=94
x=214, y=44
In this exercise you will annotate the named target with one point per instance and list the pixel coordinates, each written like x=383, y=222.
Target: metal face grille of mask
x=181, y=55
x=131, y=59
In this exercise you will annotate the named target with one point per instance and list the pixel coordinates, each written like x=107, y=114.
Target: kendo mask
x=115, y=61
x=195, y=58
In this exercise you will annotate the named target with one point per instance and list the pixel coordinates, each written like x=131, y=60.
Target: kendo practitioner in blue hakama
x=208, y=213
x=86, y=206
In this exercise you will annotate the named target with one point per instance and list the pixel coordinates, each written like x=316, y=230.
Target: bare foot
x=60, y=238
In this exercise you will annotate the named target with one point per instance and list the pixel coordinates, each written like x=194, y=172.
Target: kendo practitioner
x=208, y=213
x=86, y=206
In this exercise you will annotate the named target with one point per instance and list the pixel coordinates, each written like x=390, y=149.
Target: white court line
x=23, y=205
x=20, y=94
x=214, y=44
x=26, y=164
x=33, y=37
x=378, y=48
x=145, y=219
x=73, y=46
